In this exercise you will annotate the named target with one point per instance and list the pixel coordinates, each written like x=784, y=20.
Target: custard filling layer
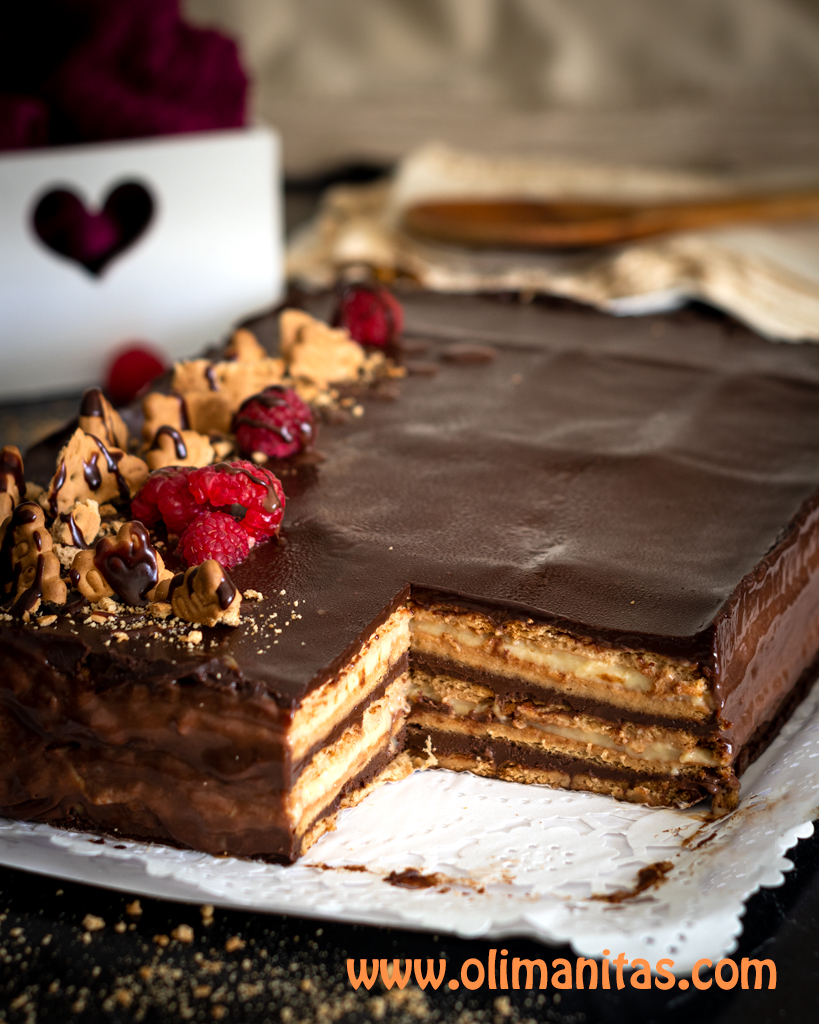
x=331, y=768
x=583, y=744
x=329, y=705
x=453, y=705
x=544, y=657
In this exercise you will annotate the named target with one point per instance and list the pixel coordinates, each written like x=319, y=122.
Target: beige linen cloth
x=765, y=275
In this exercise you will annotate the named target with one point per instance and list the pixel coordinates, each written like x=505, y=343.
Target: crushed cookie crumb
x=234, y=943
x=92, y=923
x=182, y=933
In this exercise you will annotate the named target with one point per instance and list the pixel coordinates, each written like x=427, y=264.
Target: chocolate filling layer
x=523, y=689
x=501, y=753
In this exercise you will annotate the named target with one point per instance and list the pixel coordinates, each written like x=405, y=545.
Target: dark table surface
x=242, y=966
x=58, y=964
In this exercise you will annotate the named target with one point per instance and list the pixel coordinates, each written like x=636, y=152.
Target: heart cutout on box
x=93, y=238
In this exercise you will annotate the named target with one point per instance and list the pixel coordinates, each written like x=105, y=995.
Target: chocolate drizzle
x=73, y=529
x=242, y=419
x=91, y=472
x=11, y=467
x=271, y=398
x=176, y=583
x=27, y=601
x=92, y=403
x=178, y=442
x=210, y=374
x=24, y=514
x=59, y=480
x=225, y=593
x=129, y=565
x=271, y=502
x=111, y=462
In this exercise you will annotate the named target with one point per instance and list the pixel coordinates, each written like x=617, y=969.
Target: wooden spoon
x=573, y=224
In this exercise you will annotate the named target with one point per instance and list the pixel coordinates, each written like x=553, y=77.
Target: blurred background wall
x=699, y=82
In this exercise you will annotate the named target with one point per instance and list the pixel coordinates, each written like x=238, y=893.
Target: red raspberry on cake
x=275, y=422
x=214, y=535
x=218, y=511
x=251, y=495
x=130, y=370
x=371, y=314
x=165, y=495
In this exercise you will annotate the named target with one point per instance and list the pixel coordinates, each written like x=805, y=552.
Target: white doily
x=508, y=859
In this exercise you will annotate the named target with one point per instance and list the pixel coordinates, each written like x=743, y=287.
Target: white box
x=211, y=253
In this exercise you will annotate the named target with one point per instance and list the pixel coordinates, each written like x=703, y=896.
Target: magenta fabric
x=114, y=70
x=23, y=122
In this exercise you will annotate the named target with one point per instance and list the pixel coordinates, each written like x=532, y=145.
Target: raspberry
x=275, y=422
x=165, y=495
x=371, y=314
x=214, y=535
x=130, y=371
x=252, y=495
x=219, y=511
x=145, y=505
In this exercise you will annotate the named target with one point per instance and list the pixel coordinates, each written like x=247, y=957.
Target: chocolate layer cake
x=564, y=549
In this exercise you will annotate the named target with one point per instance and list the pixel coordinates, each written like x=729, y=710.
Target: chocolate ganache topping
x=129, y=564
x=593, y=475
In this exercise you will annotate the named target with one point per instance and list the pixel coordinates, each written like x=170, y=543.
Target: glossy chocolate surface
x=643, y=483
x=619, y=477
x=592, y=473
